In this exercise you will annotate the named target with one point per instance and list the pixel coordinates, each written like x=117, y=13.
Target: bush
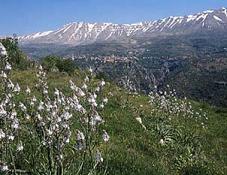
x=15, y=55
x=54, y=62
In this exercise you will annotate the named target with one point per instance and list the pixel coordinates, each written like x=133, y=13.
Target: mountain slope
x=187, y=52
x=78, y=33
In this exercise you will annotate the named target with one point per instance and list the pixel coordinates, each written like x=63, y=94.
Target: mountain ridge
x=82, y=33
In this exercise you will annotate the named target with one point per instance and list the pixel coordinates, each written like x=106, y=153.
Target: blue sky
x=29, y=16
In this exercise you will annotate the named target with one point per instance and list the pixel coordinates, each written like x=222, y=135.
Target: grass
x=132, y=150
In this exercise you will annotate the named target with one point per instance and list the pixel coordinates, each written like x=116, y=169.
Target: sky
x=29, y=16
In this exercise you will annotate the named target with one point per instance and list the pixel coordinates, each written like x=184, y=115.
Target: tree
x=15, y=55
x=63, y=65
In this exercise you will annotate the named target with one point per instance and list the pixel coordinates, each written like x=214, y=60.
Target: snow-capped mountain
x=84, y=33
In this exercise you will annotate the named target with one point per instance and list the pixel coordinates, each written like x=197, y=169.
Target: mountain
x=188, y=53
x=80, y=33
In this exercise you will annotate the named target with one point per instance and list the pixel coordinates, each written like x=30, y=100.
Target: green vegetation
x=145, y=138
x=54, y=63
x=16, y=57
x=133, y=150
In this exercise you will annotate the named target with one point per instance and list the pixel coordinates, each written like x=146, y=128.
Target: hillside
x=159, y=134
x=134, y=150
x=159, y=61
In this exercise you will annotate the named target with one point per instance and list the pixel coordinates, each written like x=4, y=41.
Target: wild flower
x=105, y=136
x=28, y=90
x=3, y=75
x=2, y=134
x=80, y=141
x=98, y=157
x=48, y=120
x=162, y=142
x=4, y=168
x=11, y=137
x=3, y=52
x=86, y=79
x=105, y=100
x=139, y=119
x=84, y=86
x=8, y=66
x=90, y=70
x=102, y=83
x=22, y=106
x=167, y=104
x=20, y=147
x=101, y=105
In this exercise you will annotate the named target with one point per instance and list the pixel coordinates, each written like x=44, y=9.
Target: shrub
x=63, y=65
x=15, y=55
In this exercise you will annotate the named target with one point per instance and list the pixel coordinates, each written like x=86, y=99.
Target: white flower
x=56, y=92
x=59, y=119
x=49, y=132
x=11, y=137
x=84, y=86
x=72, y=85
x=86, y=79
x=80, y=144
x=10, y=84
x=15, y=124
x=28, y=91
x=90, y=70
x=22, y=106
x=94, y=95
x=3, y=75
x=2, y=111
x=102, y=83
x=97, y=89
x=162, y=142
x=105, y=100
x=92, y=100
x=80, y=93
x=39, y=117
x=67, y=115
x=67, y=140
x=28, y=117
x=13, y=114
x=105, y=136
x=4, y=168
x=34, y=99
x=8, y=66
x=40, y=67
x=3, y=51
x=80, y=136
x=41, y=107
x=45, y=91
x=98, y=157
x=2, y=134
x=139, y=120
x=61, y=157
x=101, y=105
x=17, y=88
x=20, y=147
x=96, y=119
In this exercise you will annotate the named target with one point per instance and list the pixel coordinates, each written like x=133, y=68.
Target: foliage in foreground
x=36, y=129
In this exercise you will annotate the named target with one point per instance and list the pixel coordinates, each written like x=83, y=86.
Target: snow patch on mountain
x=77, y=33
